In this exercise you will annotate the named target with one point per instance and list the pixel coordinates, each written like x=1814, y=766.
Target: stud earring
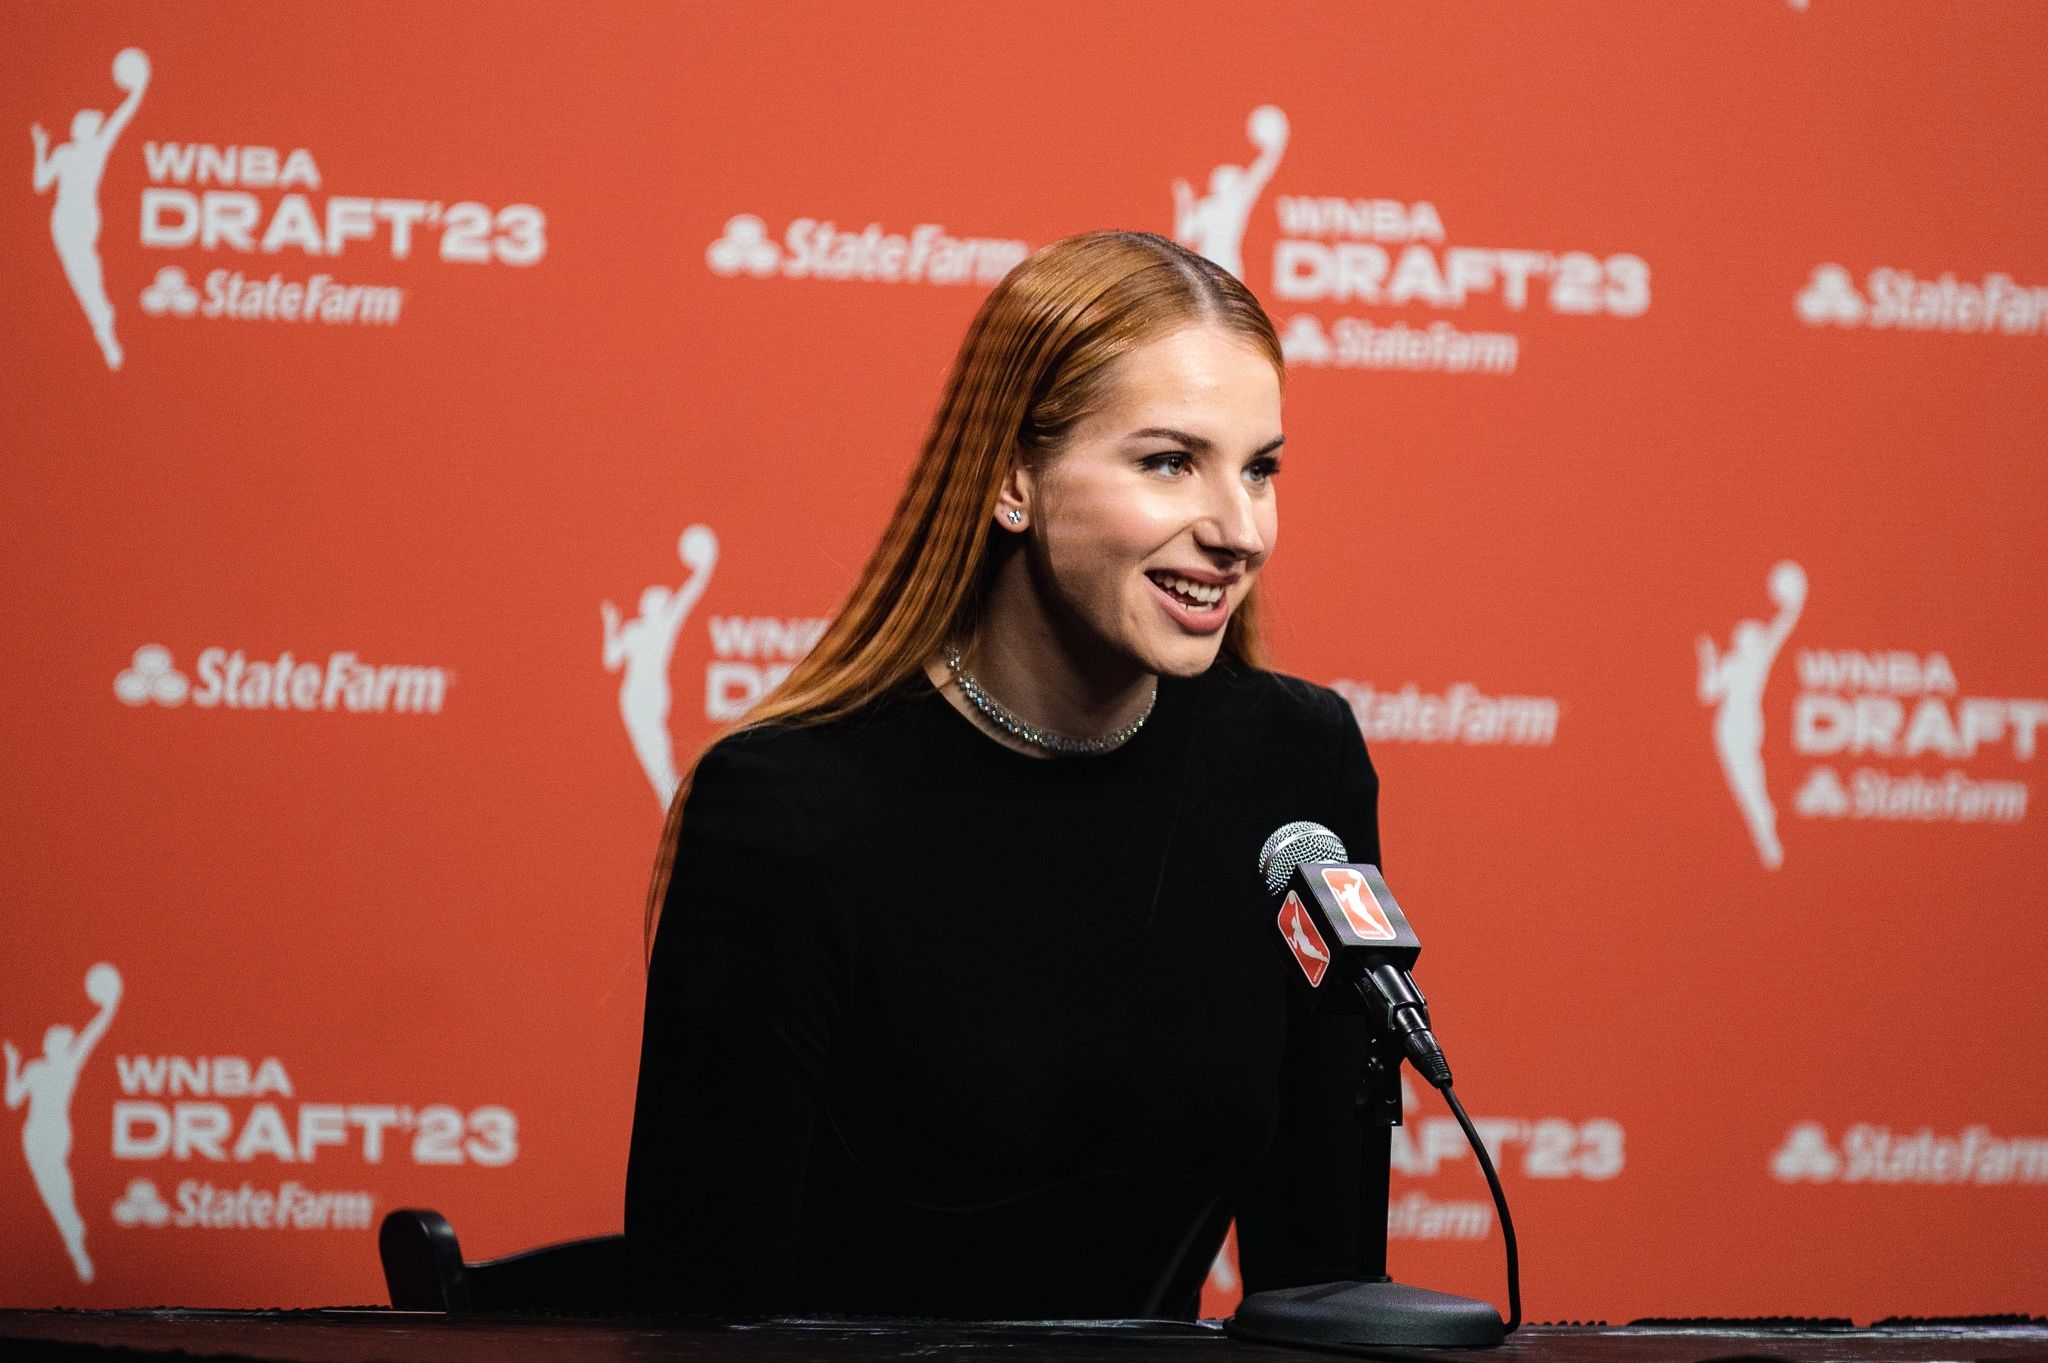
x=1016, y=517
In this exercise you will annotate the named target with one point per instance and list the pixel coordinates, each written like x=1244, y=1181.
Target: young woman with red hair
x=963, y=998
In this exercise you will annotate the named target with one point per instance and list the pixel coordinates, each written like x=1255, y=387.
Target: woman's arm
x=1297, y=1218
x=743, y=991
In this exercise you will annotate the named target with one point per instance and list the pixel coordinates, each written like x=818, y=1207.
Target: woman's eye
x=1262, y=470
x=1175, y=462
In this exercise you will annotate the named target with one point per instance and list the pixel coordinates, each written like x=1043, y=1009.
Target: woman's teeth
x=1194, y=593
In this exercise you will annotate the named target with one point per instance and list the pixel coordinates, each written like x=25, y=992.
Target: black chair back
x=424, y=1271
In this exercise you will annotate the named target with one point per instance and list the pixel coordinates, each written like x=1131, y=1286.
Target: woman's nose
x=1231, y=524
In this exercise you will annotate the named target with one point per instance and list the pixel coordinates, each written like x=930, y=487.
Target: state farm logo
x=289, y=1205
x=809, y=248
x=170, y=292
x=151, y=677
x=1830, y=297
x=1461, y=713
x=1388, y=253
x=1361, y=909
x=229, y=679
x=1895, y=704
x=1806, y=1156
x=1870, y=1153
x=1899, y=300
x=751, y=655
x=141, y=1205
x=256, y=201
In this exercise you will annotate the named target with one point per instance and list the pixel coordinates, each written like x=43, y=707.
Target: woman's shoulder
x=1285, y=733
x=1267, y=698
x=806, y=761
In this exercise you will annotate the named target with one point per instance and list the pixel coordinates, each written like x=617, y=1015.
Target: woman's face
x=1153, y=520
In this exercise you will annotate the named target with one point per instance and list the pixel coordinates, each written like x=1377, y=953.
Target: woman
x=963, y=999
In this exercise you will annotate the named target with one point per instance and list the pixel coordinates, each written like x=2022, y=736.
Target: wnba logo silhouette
x=46, y=1085
x=1733, y=682
x=1361, y=910
x=641, y=649
x=1213, y=223
x=75, y=168
x=1311, y=953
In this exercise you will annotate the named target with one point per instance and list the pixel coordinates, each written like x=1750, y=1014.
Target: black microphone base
x=1361, y=1315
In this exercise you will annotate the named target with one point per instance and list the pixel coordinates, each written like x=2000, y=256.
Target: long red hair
x=1039, y=356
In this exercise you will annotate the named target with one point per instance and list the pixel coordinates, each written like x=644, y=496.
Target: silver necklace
x=1003, y=719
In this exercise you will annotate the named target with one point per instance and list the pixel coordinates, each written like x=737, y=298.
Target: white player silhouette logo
x=1303, y=940
x=1213, y=224
x=46, y=1085
x=1734, y=681
x=643, y=647
x=76, y=167
x=1355, y=897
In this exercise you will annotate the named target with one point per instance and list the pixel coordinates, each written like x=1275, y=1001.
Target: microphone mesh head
x=1295, y=843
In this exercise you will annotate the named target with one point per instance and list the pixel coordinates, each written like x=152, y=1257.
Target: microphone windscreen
x=1291, y=845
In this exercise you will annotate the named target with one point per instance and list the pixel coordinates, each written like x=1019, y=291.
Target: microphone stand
x=1373, y=1310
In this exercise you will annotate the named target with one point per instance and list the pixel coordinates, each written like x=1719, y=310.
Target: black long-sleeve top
x=938, y=1028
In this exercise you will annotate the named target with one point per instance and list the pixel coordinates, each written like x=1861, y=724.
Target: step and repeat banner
x=424, y=426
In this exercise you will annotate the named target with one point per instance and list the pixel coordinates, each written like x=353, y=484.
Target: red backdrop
x=437, y=328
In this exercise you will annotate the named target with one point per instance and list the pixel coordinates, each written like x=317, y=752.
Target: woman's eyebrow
x=1200, y=444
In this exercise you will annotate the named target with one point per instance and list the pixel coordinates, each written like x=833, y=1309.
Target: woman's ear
x=1015, y=501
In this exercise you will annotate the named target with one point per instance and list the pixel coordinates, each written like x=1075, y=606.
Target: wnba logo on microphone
x=1361, y=909
x=1298, y=930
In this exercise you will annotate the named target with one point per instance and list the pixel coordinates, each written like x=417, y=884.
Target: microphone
x=1336, y=917
x=1339, y=917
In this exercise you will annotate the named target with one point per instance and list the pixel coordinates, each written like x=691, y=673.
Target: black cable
x=1500, y=1204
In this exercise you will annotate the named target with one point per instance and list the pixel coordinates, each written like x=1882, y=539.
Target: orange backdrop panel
x=367, y=369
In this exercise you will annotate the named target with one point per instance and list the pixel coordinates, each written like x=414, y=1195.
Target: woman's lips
x=1195, y=621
